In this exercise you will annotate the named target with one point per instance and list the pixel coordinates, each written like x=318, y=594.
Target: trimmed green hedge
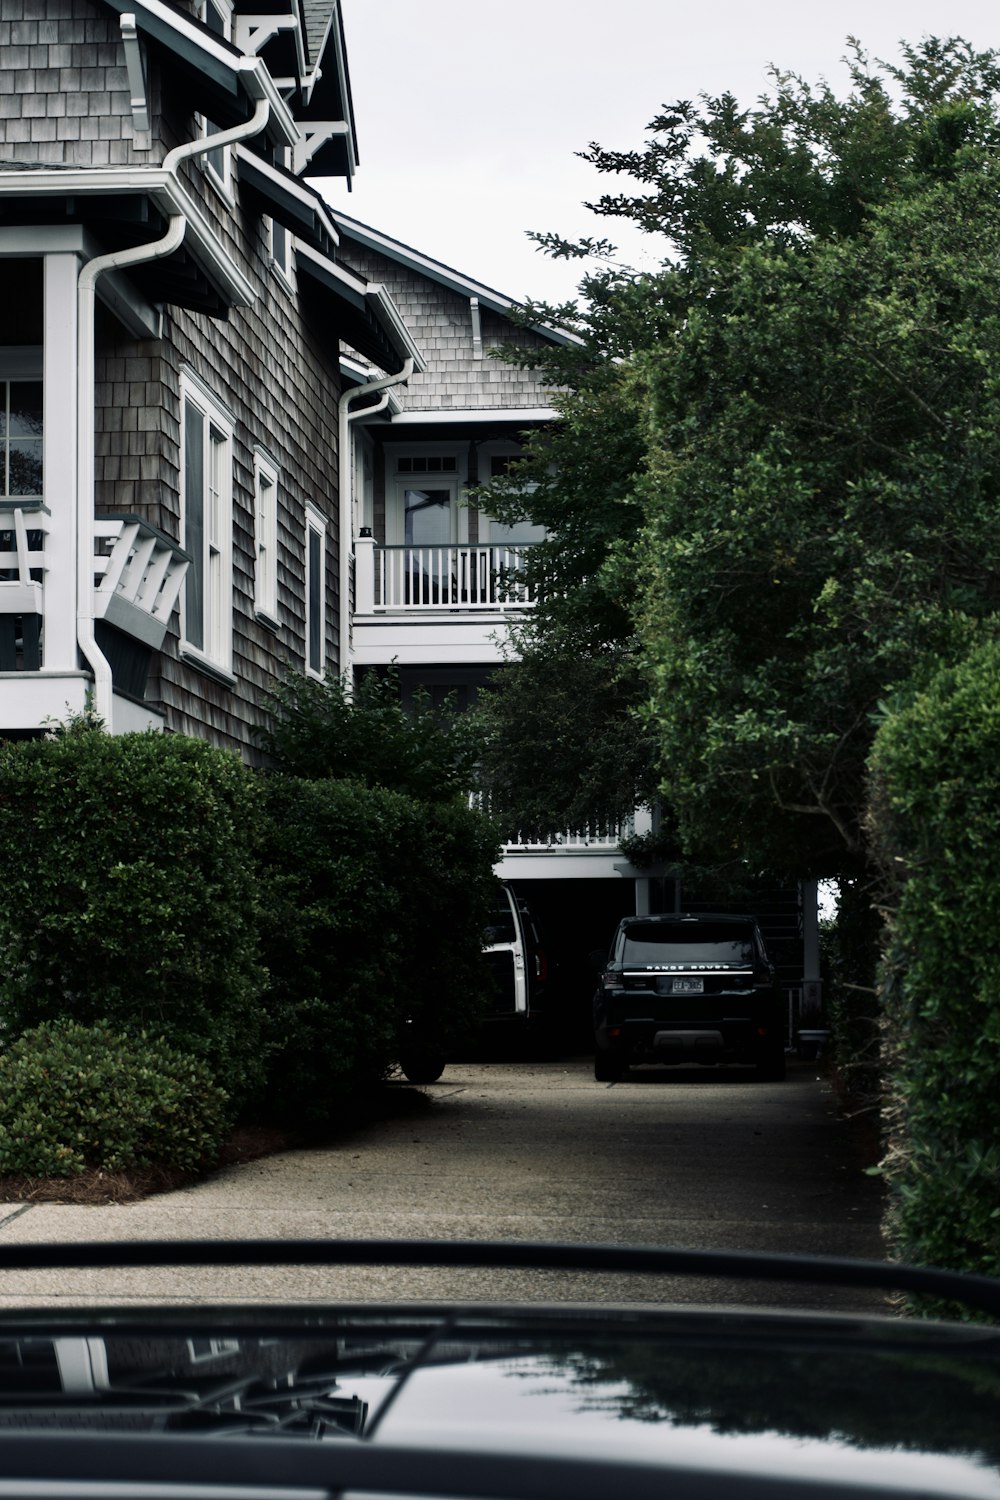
x=130, y=892
x=935, y=828
x=74, y=1096
x=373, y=907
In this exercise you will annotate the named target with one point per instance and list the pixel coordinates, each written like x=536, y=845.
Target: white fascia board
x=166, y=190
x=31, y=700
x=389, y=314
x=441, y=418
x=259, y=84
x=475, y=639
x=295, y=187
x=362, y=293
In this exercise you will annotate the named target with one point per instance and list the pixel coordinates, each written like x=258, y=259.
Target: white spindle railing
x=461, y=576
x=599, y=834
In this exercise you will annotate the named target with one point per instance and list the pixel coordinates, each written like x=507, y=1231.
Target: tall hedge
x=129, y=892
x=373, y=910
x=935, y=827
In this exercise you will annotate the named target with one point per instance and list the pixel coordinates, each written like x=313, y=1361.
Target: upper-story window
x=504, y=533
x=21, y=380
x=278, y=237
x=207, y=524
x=315, y=591
x=218, y=17
x=265, y=589
x=20, y=429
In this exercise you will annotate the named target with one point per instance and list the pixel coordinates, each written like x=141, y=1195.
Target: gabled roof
x=446, y=276
x=326, y=112
x=218, y=79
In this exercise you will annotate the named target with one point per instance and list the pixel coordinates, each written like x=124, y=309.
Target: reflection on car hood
x=893, y=1402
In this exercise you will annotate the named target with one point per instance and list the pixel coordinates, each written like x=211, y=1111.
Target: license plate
x=687, y=987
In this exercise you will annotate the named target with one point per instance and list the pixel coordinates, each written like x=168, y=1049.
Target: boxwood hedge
x=935, y=827
x=130, y=892
x=373, y=907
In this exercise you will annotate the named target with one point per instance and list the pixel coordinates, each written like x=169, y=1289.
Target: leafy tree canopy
x=783, y=442
x=323, y=729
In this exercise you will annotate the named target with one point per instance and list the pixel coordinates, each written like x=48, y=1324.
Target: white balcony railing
x=602, y=834
x=460, y=576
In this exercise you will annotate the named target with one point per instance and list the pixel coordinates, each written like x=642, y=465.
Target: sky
x=470, y=112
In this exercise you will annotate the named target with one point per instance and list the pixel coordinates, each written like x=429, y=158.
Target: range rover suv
x=688, y=989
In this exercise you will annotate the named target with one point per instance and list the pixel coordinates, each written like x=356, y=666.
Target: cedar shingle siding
x=440, y=321
x=64, y=102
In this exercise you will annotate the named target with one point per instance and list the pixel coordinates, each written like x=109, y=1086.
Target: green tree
x=800, y=513
x=366, y=734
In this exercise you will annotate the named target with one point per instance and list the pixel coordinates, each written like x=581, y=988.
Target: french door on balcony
x=422, y=530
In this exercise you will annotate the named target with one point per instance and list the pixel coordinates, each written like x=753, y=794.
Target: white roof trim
x=164, y=188
x=444, y=275
x=440, y=417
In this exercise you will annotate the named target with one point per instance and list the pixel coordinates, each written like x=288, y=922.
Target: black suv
x=688, y=989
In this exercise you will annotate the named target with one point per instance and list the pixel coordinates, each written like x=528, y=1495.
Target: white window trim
x=316, y=525
x=215, y=653
x=281, y=266
x=221, y=181
x=265, y=578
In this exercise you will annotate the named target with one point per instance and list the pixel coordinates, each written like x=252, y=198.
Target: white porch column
x=59, y=438
x=364, y=573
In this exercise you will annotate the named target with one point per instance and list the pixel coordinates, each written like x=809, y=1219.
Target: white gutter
x=346, y=494
x=251, y=127
x=85, y=383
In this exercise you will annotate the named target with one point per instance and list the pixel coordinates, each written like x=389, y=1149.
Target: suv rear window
x=652, y=943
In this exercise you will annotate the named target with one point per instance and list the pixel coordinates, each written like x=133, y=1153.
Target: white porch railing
x=600, y=834
x=22, y=562
x=460, y=576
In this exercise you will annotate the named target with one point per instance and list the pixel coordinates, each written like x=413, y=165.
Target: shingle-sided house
x=174, y=305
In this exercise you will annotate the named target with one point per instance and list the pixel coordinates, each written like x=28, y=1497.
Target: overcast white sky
x=469, y=111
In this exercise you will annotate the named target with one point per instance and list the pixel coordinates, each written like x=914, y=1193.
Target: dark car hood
x=881, y=1402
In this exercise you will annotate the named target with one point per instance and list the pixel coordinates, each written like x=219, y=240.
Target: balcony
x=419, y=604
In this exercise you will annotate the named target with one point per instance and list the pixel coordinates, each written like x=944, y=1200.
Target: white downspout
x=85, y=415
x=346, y=486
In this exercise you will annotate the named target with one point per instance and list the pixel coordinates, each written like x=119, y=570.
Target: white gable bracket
x=250, y=33
x=477, y=329
x=316, y=133
x=135, y=67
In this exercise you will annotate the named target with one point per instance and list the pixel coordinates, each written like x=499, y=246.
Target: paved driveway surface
x=694, y=1158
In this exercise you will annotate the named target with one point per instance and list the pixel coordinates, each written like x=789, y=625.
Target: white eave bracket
x=477, y=328
x=135, y=64
x=251, y=33
x=315, y=133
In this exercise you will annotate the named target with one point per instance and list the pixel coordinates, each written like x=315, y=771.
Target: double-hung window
x=207, y=520
x=217, y=16
x=315, y=591
x=20, y=424
x=265, y=583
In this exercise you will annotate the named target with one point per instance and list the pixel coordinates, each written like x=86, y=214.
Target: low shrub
x=373, y=907
x=74, y=1096
x=129, y=892
x=935, y=826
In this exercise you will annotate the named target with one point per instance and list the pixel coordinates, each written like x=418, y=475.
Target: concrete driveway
x=686, y=1157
